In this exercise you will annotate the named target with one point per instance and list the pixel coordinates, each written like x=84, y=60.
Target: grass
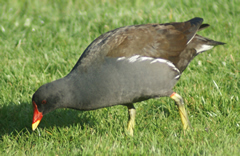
x=40, y=41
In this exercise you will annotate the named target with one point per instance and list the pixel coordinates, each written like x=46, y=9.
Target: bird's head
x=44, y=100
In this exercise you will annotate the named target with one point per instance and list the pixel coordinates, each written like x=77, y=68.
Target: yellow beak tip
x=35, y=125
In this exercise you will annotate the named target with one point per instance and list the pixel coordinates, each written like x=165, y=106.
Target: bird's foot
x=182, y=111
x=131, y=119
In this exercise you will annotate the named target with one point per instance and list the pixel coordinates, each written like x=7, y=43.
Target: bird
x=125, y=66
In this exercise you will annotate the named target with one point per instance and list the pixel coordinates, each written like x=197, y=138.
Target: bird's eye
x=44, y=101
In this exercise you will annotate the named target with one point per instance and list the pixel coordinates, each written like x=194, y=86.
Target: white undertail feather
x=203, y=48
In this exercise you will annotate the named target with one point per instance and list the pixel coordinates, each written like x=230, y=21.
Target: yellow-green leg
x=182, y=111
x=131, y=118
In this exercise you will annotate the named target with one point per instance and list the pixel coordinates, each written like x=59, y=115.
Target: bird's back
x=176, y=42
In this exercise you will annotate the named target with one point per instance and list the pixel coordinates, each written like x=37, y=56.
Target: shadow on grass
x=15, y=118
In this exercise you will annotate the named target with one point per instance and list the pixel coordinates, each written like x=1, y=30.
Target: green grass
x=40, y=41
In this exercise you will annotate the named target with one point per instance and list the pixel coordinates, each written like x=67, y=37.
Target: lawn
x=40, y=41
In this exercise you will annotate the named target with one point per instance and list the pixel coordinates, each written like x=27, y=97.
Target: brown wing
x=154, y=40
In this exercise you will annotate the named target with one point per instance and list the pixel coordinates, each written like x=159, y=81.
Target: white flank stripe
x=138, y=58
x=145, y=58
x=177, y=77
x=159, y=60
x=203, y=48
x=165, y=61
x=133, y=58
x=120, y=58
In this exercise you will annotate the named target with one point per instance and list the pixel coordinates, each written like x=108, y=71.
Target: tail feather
x=203, y=26
x=205, y=44
x=196, y=44
x=208, y=41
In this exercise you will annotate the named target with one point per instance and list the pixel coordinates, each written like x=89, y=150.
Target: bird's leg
x=131, y=118
x=182, y=111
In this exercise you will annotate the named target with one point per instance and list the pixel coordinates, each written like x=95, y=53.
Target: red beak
x=37, y=116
